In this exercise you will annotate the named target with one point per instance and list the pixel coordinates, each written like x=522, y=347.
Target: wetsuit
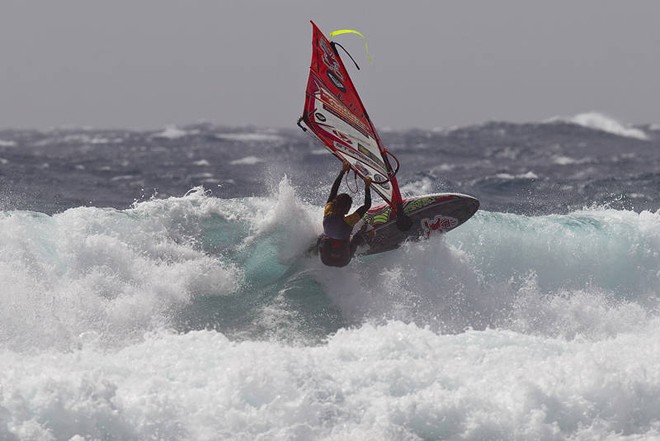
x=335, y=244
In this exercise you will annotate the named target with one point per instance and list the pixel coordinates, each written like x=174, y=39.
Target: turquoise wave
x=239, y=266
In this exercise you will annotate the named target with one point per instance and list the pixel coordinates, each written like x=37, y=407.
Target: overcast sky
x=152, y=63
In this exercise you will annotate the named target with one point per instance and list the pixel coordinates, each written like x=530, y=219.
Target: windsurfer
x=335, y=244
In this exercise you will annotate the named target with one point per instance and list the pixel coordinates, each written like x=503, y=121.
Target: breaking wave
x=203, y=318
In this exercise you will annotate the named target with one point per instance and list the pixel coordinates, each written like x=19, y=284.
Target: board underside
x=430, y=214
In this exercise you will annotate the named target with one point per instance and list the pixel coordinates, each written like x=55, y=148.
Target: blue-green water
x=200, y=316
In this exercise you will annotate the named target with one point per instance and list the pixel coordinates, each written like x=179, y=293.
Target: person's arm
x=337, y=183
x=367, y=198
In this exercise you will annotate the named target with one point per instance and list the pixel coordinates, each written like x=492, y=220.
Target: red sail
x=336, y=115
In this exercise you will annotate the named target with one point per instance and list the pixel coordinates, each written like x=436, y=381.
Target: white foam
x=509, y=327
x=101, y=140
x=418, y=188
x=248, y=160
x=508, y=176
x=475, y=275
x=293, y=224
x=391, y=381
x=598, y=121
x=202, y=163
x=112, y=273
x=122, y=178
x=4, y=143
x=444, y=167
x=250, y=137
x=204, y=175
x=171, y=132
x=567, y=160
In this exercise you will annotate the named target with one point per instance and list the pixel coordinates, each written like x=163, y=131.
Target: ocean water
x=154, y=286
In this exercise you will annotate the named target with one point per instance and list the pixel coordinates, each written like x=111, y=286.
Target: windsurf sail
x=335, y=114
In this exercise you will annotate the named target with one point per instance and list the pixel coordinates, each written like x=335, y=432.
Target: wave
x=248, y=160
x=240, y=266
x=599, y=121
x=200, y=317
x=391, y=381
x=4, y=143
x=171, y=132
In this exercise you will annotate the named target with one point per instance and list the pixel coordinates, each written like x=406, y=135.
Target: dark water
x=521, y=168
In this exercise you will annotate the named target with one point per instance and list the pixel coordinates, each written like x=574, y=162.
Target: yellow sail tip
x=353, y=31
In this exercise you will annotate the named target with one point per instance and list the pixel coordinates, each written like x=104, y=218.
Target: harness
x=334, y=252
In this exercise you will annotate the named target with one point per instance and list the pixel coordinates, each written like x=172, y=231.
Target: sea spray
x=201, y=317
x=391, y=381
x=102, y=271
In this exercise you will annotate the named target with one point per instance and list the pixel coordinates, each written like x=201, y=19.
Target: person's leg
x=356, y=241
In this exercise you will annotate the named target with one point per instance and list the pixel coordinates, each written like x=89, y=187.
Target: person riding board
x=335, y=244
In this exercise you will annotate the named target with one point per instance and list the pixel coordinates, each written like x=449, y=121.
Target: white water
x=510, y=327
x=598, y=121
